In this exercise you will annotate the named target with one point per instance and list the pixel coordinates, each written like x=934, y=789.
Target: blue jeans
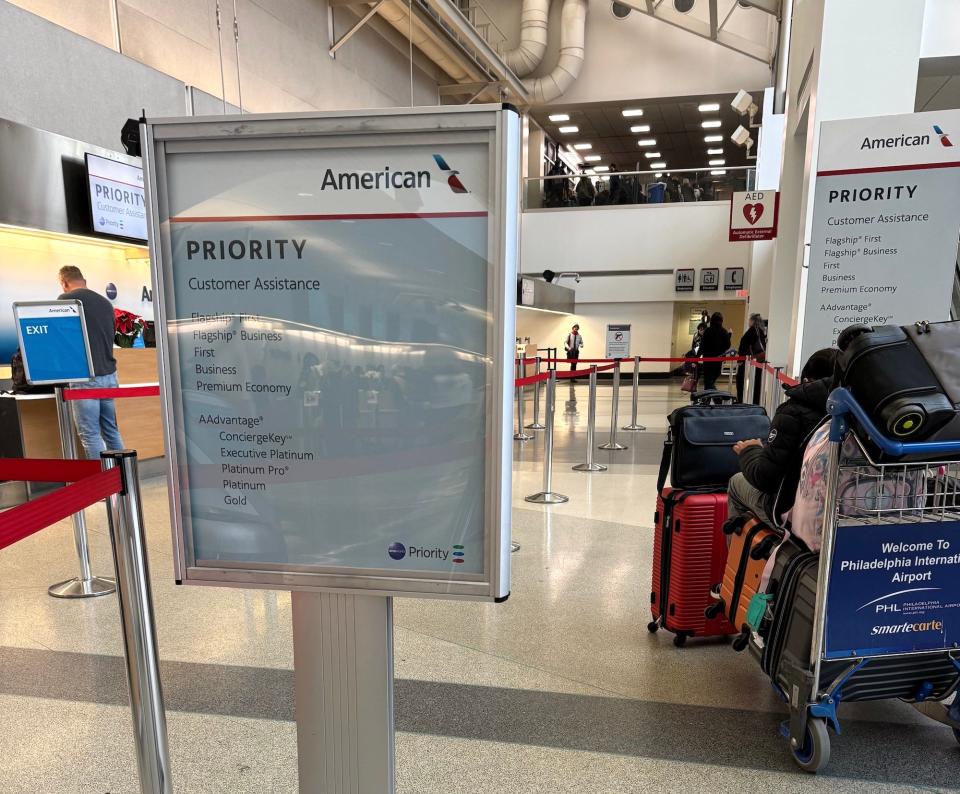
x=96, y=420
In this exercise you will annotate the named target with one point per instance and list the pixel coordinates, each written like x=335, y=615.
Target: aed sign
x=335, y=295
x=53, y=341
x=753, y=215
x=618, y=341
x=894, y=588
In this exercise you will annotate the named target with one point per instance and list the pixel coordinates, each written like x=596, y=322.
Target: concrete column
x=848, y=59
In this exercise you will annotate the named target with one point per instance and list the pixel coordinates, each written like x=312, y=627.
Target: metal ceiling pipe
x=573, y=26
x=397, y=13
x=783, y=57
x=533, y=38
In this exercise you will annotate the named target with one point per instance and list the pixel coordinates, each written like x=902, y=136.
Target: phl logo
x=397, y=551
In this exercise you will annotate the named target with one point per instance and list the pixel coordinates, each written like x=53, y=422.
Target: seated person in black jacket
x=770, y=472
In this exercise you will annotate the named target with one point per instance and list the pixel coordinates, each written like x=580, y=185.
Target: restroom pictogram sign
x=753, y=215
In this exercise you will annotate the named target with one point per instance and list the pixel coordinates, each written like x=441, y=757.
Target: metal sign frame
x=496, y=126
x=23, y=347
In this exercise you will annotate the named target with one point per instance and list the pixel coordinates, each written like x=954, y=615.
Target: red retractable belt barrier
x=782, y=377
x=24, y=520
x=111, y=394
x=47, y=469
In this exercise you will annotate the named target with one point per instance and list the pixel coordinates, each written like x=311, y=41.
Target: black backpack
x=698, y=450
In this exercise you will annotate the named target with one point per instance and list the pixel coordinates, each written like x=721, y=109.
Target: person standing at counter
x=572, y=346
x=96, y=420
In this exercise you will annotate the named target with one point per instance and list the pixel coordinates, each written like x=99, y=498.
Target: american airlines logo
x=944, y=140
x=452, y=179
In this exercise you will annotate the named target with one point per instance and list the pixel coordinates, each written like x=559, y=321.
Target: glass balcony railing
x=626, y=188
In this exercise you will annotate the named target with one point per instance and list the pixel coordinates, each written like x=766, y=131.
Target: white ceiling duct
x=533, y=38
x=573, y=26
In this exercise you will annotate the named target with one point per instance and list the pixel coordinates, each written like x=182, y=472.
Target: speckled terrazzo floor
x=561, y=689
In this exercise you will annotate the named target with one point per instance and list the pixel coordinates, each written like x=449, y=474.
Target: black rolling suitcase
x=907, y=378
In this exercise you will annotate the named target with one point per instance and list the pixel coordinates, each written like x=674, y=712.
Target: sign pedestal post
x=343, y=691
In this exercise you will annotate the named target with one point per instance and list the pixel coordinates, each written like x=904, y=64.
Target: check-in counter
x=28, y=422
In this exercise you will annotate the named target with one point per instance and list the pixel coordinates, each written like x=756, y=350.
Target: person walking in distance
x=572, y=346
x=96, y=420
x=716, y=342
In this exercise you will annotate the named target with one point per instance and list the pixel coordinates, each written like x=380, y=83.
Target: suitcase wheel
x=680, y=640
x=652, y=626
x=815, y=753
x=714, y=610
x=740, y=643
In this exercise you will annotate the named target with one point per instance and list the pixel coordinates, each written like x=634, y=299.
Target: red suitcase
x=689, y=556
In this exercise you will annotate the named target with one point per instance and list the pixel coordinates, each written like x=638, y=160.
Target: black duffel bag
x=907, y=378
x=698, y=451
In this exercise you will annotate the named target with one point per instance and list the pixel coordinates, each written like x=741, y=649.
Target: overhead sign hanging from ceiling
x=886, y=217
x=336, y=298
x=754, y=215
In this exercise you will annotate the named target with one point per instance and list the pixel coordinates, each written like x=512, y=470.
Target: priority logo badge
x=944, y=140
x=453, y=180
x=458, y=555
x=397, y=550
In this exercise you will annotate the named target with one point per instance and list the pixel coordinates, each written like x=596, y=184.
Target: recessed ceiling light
x=651, y=155
x=715, y=151
x=709, y=107
x=647, y=142
x=712, y=138
x=721, y=161
x=569, y=130
x=580, y=147
x=632, y=113
x=719, y=172
x=601, y=168
x=658, y=165
x=559, y=117
x=710, y=125
x=658, y=174
x=592, y=158
x=640, y=128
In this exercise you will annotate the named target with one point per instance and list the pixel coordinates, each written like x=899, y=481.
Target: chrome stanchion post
x=520, y=435
x=747, y=379
x=547, y=496
x=535, y=424
x=614, y=411
x=778, y=395
x=634, y=425
x=127, y=536
x=591, y=422
x=86, y=585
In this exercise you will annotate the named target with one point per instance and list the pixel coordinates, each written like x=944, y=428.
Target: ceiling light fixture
x=580, y=147
x=601, y=168
x=651, y=155
x=709, y=107
x=631, y=113
x=559, y=117
x=715, y=151
x=719, y=172
x=569, y=130
x=640, y=128
x=712, y=138
x=721, y=161
x=592, y=158
x=647, y=142
x=658, y=165
x=711, y=125
x=658, y=174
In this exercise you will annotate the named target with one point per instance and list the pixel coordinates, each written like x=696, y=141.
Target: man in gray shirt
x=96, y=420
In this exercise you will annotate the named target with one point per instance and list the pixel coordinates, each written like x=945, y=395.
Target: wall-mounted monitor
x=117, y=206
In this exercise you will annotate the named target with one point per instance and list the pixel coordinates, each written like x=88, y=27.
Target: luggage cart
x=883, y=613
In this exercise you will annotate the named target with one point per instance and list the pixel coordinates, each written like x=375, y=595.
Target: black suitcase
x=698, y=451
x=907, y=379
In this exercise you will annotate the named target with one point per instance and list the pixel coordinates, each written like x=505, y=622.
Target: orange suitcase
x=751, y=545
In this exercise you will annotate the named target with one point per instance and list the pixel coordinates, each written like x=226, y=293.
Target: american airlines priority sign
x=753, y=215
